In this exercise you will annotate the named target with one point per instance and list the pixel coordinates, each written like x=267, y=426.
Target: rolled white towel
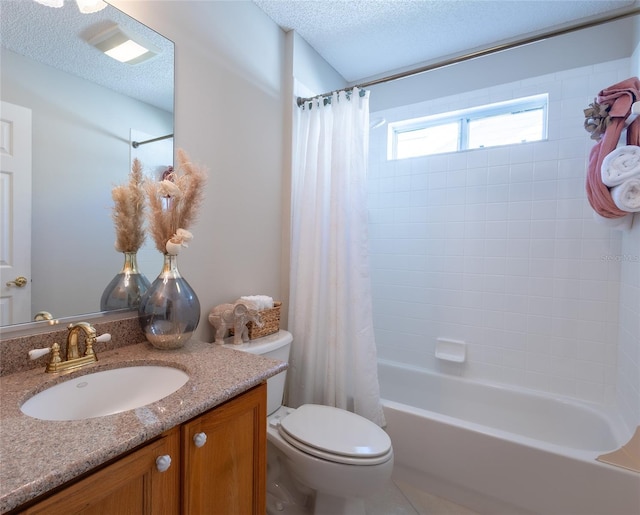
x=620, y=164
x=261, y=301
x=627, y=195
x=623, y=223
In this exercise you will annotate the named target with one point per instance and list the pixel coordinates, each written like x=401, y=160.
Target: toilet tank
x=274, y=346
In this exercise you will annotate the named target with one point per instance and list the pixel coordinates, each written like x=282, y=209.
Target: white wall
x=598, y=44
x=628, y=379
x=80, y=151
x=497, y=247
x=306, y=74
x=313, y=75
x=229, y=116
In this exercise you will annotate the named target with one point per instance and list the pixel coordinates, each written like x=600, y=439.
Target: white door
x=15, y=214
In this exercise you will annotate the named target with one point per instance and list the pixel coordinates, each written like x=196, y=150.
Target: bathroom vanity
x=224, y=475
x=202, y=449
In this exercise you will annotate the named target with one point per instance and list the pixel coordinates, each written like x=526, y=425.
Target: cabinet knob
x=163, y=463
x=200, y=439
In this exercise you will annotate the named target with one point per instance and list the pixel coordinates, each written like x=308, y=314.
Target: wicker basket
x=270, y=322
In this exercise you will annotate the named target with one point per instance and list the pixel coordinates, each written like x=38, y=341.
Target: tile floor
x=402, y=499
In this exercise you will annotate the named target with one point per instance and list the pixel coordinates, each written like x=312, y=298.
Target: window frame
x=463, y=117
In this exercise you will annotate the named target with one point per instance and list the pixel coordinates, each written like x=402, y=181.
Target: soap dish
x=451, y=350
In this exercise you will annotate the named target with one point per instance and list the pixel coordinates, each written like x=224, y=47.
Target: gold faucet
x=73, y=358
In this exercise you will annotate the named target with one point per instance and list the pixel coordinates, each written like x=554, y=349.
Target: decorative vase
x=126, y=289
x=169, y=311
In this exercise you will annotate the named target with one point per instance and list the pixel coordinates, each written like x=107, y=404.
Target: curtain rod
x=136, y=144
x=481, y=53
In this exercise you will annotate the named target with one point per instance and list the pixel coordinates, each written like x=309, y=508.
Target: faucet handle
x=106, y=337
x=91, y=340
x=38, y=353
x=55, y=353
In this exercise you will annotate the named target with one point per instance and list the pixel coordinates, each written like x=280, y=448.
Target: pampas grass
x=128, y=211
x=174, y=203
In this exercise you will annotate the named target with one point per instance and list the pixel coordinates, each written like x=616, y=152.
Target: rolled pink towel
x=620, y=97
x=597, y=193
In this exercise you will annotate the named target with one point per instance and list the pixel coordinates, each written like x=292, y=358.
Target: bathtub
x=503, y=450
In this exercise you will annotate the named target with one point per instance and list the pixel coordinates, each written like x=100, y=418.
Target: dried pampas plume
x=174, y=203
x=128, y=211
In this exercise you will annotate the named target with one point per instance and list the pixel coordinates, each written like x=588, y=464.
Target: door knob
x=18, y=282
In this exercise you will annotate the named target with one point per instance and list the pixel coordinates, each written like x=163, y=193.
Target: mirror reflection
x=78, y=110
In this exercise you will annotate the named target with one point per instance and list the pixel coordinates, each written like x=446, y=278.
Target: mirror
x=85, y=110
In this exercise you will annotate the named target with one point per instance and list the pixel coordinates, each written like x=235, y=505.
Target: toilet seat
x=335, y=435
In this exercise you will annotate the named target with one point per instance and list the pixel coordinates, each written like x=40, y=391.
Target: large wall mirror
x=85, y=109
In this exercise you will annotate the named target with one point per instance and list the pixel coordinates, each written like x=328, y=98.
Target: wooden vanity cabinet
x=224, y=474
x=227, y=474
x=133, y=484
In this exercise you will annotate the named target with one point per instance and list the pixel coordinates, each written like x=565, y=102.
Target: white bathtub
x=503, y=450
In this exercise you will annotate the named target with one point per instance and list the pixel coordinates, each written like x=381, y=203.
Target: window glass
x=430, y=140
x=505, y=123
x=506, y=129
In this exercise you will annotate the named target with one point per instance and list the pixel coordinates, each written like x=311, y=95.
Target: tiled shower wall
x=629, y=348
x=498, y=248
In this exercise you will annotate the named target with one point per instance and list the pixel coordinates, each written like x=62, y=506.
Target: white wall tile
x=499, y=246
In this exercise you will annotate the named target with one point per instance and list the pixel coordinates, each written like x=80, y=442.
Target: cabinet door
x=132, y=485
x=227, y=474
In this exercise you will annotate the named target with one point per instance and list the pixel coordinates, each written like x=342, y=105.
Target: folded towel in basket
x=261, y=301
x=627, y=195
x=621, y=164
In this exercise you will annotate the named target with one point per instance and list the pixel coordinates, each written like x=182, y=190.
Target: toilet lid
x=330, y=433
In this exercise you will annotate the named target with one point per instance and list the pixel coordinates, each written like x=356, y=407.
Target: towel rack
x=635, y=111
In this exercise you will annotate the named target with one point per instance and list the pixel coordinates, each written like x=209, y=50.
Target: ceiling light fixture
x=118, y=45
x=85, y=6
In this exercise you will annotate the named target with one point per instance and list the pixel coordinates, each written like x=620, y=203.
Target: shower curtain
x=333, y=357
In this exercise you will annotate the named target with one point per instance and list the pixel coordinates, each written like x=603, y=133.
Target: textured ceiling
x=58, y=37
x=367, y=38
x=359, y=38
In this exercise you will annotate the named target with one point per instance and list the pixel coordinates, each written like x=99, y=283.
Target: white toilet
x=321, y=460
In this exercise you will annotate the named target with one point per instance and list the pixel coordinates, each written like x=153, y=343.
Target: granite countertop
x=38, y=455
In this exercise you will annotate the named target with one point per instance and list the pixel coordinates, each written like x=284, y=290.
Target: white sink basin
x=105, y=393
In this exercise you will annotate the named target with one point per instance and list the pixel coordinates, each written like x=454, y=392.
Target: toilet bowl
x=321, y=460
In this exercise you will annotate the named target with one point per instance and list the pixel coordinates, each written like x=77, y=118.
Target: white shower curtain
x=333, y=357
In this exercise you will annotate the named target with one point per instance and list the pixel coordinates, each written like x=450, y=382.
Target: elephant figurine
x=234, y=316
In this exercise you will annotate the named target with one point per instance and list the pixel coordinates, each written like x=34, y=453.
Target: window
x=506, y=123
